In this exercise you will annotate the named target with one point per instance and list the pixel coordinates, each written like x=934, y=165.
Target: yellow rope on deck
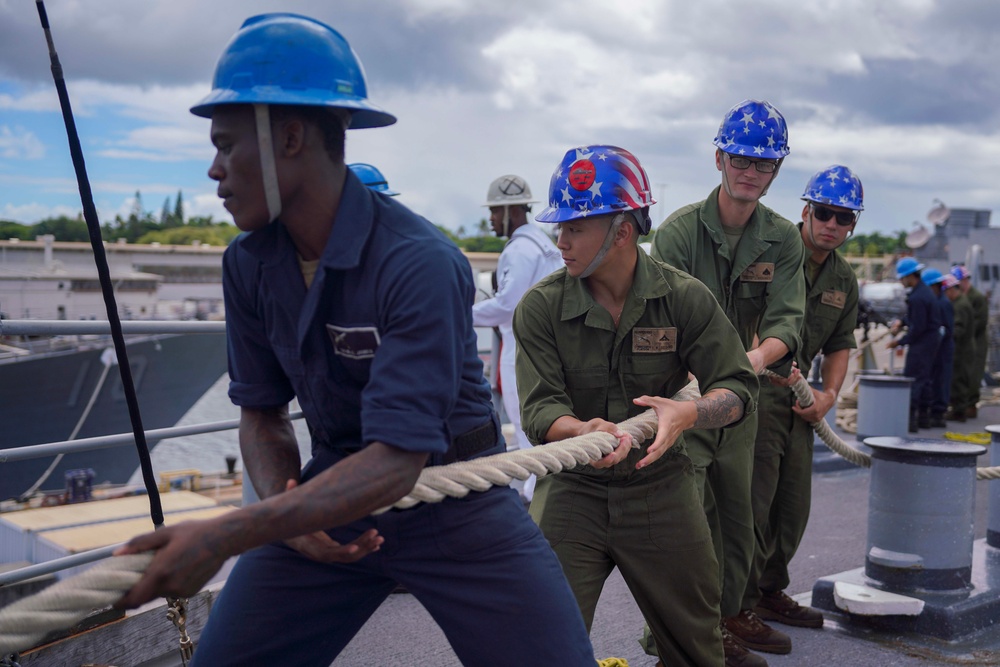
x=981, y=438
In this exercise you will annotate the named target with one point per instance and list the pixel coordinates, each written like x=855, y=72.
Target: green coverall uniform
x=782, y=468
x=762, y=292
x=964, y=351
x=649, y=522
x=980, y=345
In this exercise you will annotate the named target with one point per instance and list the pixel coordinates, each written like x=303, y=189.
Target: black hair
x=329, y=120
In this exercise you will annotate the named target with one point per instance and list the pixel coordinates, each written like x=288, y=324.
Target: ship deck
x=402, y=633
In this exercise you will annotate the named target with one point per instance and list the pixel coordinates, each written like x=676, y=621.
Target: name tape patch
x=835, y=298
x=354, y=342
x=654, y=340
x=758, y=272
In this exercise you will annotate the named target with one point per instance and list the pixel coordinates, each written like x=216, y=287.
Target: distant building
x=965, y=237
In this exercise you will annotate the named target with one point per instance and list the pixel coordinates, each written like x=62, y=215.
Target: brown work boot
x=737, y=654
x=779, y=607
x=757, y=635
x=955, y=416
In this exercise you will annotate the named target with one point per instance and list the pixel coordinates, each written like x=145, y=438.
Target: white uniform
x=529, y=256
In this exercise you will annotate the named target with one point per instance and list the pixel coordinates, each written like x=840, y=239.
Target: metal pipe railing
x=81, y=327
x=55, y=565
x=117, y=440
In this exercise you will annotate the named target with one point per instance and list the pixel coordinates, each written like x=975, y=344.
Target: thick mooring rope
x=805, y=397
x=456, y=480
x=25, y=623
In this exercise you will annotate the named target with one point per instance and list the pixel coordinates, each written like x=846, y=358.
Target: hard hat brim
x=364, y=114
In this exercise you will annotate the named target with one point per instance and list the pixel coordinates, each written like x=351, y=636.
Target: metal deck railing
x=97, y=327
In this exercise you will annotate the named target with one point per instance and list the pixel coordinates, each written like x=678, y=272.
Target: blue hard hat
x=597, y=180
x=753, y=129
x=291, y=59
x=960, y=272
x=836, y=186
x=907, y=266
x=932, y=277
x=372, y=178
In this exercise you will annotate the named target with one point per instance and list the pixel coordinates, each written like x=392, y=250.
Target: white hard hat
x=509, y=190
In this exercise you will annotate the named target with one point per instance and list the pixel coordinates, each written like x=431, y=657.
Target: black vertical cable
x=94, y=229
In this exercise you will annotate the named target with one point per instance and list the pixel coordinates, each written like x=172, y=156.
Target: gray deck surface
x=401, y=633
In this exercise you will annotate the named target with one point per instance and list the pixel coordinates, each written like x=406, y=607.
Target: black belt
x=472, y=442
x=463, y=446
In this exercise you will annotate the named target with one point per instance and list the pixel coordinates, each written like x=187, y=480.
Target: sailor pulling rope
x=27, y=621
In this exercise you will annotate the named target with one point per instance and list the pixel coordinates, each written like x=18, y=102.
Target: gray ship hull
x=44, y=395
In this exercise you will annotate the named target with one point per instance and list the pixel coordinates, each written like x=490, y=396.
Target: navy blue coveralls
x=381, y=348
x=945, y=359
x=923, y=334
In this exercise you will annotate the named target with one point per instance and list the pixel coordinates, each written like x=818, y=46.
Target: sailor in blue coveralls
x=346, y=300
x=923, y=335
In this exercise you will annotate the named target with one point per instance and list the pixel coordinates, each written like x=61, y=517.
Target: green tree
x=204, y=221
x=450, y=234
x=165, y=213
x=63, y=228
x=186, y=235
x=179, y=209
x=14, y=230
x=482, y=244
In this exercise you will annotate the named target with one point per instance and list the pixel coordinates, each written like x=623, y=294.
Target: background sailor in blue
x=943, y=361
x=923, y=335
x=362, y=310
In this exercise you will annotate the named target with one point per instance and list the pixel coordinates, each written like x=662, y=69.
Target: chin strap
x=608, y=240
x=268, y=170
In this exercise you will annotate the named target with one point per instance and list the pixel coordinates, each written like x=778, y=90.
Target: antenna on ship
x=917, y=238
x=920, y=235
x=938, y=215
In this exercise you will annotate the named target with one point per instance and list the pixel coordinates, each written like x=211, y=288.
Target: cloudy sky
x=905, y=92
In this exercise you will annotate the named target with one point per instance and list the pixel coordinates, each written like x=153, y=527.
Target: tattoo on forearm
x=718, y=409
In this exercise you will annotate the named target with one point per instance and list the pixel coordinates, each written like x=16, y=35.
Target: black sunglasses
x=844, y=218
x=763, y=166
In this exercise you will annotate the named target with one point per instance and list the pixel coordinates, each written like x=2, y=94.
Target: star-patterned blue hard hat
x=753, y=129
x=835, y=186
x=597, y=180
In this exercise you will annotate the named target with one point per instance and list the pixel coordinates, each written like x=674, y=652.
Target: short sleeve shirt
x=380, y=347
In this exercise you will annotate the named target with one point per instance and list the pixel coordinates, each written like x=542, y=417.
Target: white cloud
x=20, y=144
x=31, y=213
x=162, y=143
x=36, y=99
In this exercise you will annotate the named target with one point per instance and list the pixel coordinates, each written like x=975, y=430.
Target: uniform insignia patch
x=834, y=298
x=354, y=342
x=654, y=340
x=758, y=272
